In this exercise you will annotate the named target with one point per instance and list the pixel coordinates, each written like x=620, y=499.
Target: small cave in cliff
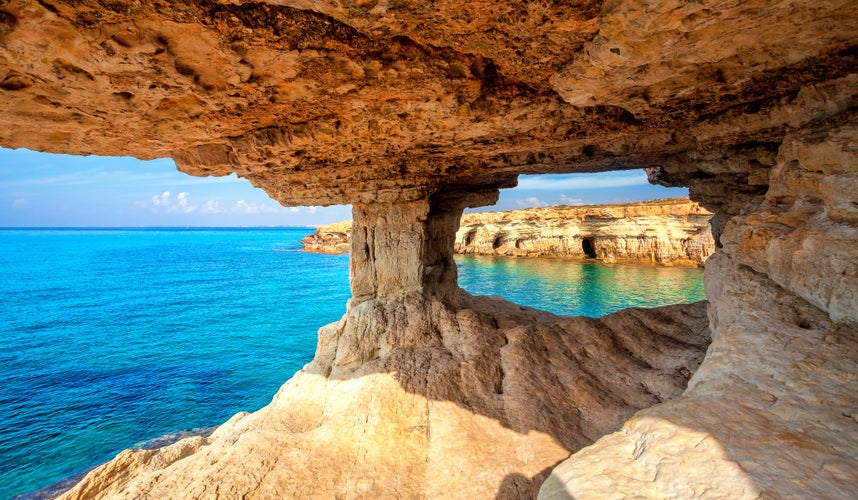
x=498, y=241
x=588, y=245
x=469, y=238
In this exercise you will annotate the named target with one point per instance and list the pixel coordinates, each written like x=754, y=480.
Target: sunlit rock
x=672, y=232
x=412, y=111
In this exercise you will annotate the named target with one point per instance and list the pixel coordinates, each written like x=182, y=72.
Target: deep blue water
x=109, y=338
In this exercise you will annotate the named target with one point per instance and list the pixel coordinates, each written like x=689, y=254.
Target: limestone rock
x=491, y=386
x=804, y=235
x=757, y=420
x=330, y=238
x=412, y=111
x=323, y=102
x=771, y=411
x=674, y=232
x=663, y=231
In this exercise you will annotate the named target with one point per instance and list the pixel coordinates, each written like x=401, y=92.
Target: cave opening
x=537, y=245
x=588, y=245
x=469, y=238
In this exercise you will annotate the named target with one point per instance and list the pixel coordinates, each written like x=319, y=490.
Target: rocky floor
x=411, y=112
x=478, y=402
x=771, y=413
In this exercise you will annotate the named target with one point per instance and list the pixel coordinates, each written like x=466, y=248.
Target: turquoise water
x=109, y=338
x=578, y=288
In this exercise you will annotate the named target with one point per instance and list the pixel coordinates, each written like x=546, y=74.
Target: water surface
x=110, y=338
x=578, y=287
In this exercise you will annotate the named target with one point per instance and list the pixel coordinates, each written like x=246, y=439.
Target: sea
x=121, y=338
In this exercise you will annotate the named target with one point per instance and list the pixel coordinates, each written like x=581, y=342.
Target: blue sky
x=48, y=190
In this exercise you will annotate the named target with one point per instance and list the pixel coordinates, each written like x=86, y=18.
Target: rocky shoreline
x=668, y=232
x=413, y=112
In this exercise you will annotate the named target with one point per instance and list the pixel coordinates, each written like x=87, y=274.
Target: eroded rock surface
x=773, y=410
x=323, y=102
x=488, y=386
x=330, y=238
x=412, y=111
x=673, y=232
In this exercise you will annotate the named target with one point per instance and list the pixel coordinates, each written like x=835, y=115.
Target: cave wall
x=668, y=232
x=412, y=111
x=772, y=410
x=803, y=235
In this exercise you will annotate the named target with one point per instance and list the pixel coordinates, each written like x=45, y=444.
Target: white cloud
x=185, y=205
x=246, y=208
x=164, y=199
x=568, y=182
x=243, y=207
x=182, y=202
x=531, y=201
x=211, y=207
x=164, y=203
x=20, y=203
x=571, y=201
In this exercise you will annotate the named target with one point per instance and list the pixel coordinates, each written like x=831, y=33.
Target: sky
x=50, y=190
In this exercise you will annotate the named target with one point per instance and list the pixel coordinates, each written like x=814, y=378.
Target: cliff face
x=484, y=399
x=330, y=238
x=780, y=372
x=413, y=111
x=673, y=232
x=664, y=232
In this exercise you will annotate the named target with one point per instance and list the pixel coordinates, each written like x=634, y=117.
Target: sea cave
x=412, y=112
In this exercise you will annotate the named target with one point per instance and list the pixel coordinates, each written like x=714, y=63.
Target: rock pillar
x=421, y=390
x=407, y=246
x=403, y=280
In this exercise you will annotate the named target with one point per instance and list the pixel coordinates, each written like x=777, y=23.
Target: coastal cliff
x=669, y=232
x=330, y=238
x=488, y=400
x=414, y=111
x=779, y=376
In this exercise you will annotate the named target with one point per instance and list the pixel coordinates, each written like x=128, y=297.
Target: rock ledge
x=667, y=232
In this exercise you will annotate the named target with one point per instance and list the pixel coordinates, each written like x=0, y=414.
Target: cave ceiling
x=321, y=102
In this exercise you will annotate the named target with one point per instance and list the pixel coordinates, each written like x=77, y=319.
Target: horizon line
x=185, y=226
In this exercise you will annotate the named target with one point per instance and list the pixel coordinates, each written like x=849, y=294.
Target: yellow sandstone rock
x=414, y=111
x=670, y=232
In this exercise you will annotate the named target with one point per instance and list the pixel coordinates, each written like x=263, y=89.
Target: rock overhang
x=413, y=110
x=321, y=103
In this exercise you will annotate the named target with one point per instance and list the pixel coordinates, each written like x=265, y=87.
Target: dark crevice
x=49, y=7
x=8, y=22
x=766, y=89
x=588, y=245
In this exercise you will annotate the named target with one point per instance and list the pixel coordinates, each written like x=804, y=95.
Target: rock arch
x=411, y=115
